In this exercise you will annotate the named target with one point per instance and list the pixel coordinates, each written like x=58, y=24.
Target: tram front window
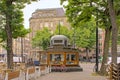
x=71, y=58
x=56, y=58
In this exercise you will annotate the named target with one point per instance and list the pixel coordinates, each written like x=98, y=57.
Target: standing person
x=94, y=68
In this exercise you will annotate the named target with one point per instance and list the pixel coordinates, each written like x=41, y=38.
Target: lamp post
x=74, y=39
x=59, y=27
x=96, y=66
x=22, y=49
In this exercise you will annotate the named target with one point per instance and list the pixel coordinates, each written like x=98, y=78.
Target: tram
x=60, y=53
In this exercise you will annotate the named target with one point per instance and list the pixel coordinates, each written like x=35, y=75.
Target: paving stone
x=86, y=74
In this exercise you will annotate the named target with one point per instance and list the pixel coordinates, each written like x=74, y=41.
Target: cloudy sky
x=42, y=4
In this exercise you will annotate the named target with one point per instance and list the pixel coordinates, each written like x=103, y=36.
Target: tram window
x=70, y=57
x=67, y=57
x=65, y=42
x=56, y=57
x=57, y=41
x=50, y=57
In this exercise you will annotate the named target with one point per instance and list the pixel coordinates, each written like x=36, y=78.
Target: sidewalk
x=86, y=74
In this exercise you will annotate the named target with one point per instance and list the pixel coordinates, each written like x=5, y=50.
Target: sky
x=42, y=4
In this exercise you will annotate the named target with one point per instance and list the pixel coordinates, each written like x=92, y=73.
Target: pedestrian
x=94, y=68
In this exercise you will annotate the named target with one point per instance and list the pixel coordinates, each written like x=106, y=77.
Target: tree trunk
x=105, y=52
x=9, y=36
x=87, y=56
x=114, y=31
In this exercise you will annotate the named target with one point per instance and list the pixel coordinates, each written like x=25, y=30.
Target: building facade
x=20, y=45
x=101, y=38
x=50, y=18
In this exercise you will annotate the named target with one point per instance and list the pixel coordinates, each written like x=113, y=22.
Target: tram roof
x=59, y=50
x=67, y=50
x=59, y=37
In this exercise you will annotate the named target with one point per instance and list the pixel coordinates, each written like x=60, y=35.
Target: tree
x=114, y=30
x=12, y=24
x=42, y=38
x=82, y=11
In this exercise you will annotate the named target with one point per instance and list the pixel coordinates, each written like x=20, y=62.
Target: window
x=61, y=23
x=71, y=58
x=57, y=41
x=56, y=58
x=65, y=42
x=51, y=24
x=46, y=24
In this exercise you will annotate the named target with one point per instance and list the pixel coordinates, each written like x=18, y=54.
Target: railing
x=31, y=73
x=114, y=71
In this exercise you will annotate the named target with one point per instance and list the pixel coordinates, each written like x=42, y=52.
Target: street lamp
x=74, y=39
x=59, y=27
x=22, y=49
x=96, y=66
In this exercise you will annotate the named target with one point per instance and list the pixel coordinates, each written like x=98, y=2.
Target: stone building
x=21, y=45
x=47, y=18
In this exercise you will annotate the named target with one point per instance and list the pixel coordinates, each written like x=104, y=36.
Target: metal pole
x=96, y=66
x=59, y=27
x=74, y=38
x=22, y=49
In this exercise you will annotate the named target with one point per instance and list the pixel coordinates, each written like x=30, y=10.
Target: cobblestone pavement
x=86, y=74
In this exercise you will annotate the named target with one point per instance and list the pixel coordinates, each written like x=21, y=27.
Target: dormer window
x=65, y=42
x=57, y=41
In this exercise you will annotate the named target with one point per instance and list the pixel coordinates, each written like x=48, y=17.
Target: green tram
x=60, y=55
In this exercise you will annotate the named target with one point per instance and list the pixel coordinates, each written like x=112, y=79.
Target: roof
x=49, y=12
x=59, y=37
x=67, y=50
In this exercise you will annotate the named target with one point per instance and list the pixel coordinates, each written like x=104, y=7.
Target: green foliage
x=86, y=34
x=42, y=38
x=15, y=11
x=81, y=11
x=11, y=24
x=64, y=31
x=81, y=14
